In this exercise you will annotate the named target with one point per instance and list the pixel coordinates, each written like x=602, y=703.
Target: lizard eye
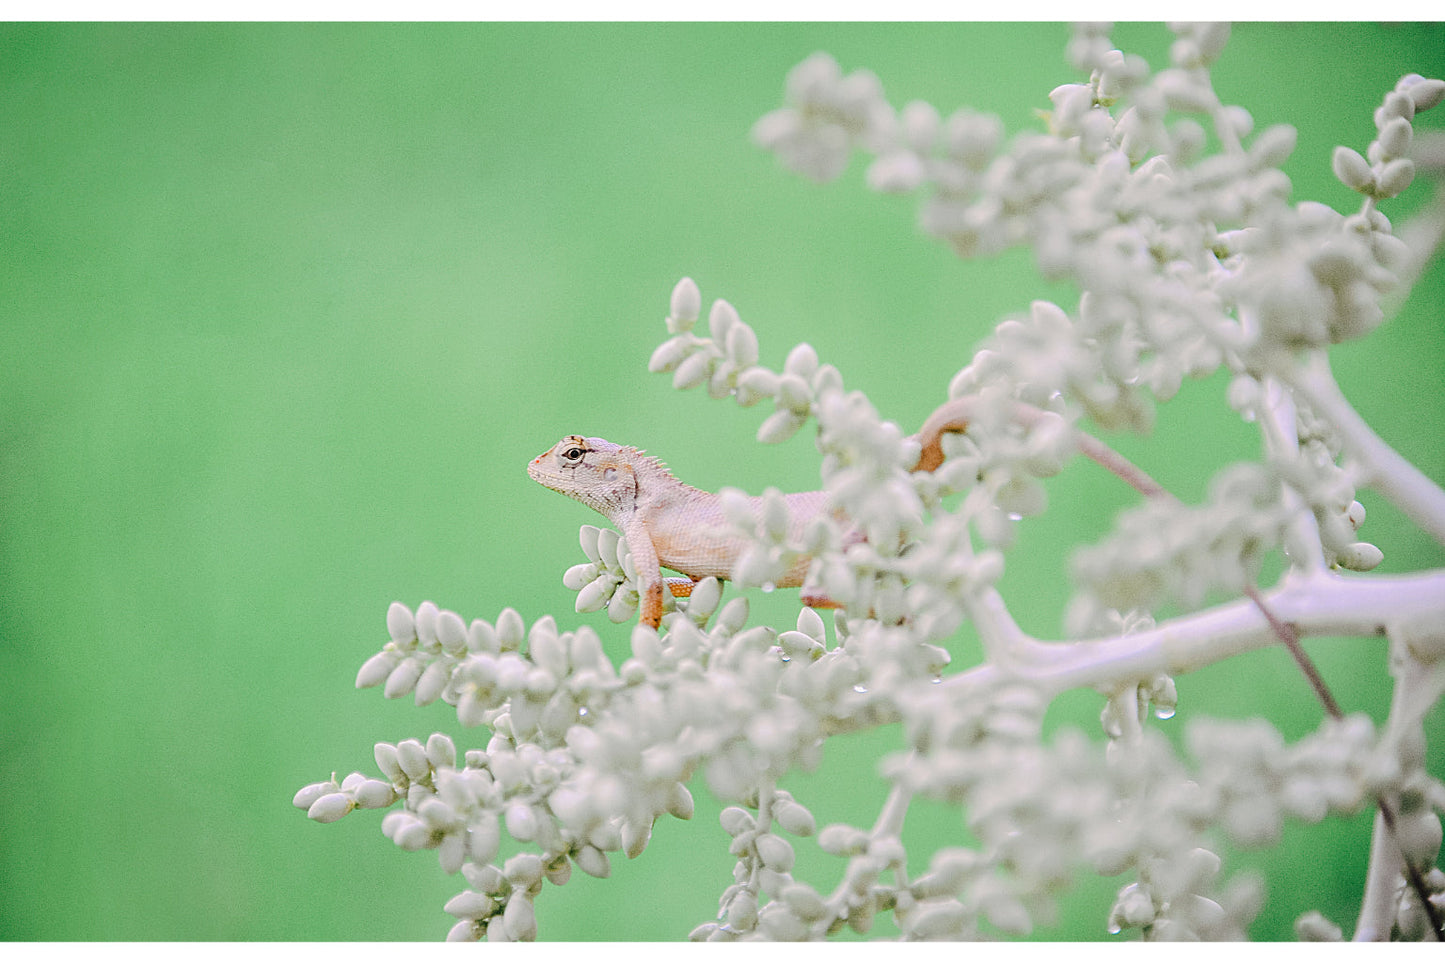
x=572, y=457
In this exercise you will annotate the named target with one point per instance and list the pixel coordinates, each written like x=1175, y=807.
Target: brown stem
x=1287, y=634
x=1290, y=637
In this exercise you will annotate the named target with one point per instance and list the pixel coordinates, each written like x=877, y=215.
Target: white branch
x=1321, y=604
x=1385, y=470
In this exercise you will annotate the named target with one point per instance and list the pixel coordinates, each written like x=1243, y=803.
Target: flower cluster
x=1169, y=213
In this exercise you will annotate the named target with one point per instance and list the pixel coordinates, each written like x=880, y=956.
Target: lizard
x=670, y=524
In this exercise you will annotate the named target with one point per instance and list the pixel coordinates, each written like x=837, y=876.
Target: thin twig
x=1287, y=634
x=1290, y=637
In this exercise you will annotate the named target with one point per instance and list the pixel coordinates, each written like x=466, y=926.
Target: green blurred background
x=284, y=312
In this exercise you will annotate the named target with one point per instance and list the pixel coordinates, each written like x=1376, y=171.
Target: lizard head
x=592, y=470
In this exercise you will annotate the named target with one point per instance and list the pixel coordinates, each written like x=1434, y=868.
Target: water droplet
x=582, y=711
x=1114, y=928
x=768, y=586
x=936, y=679
x=1164, y=712
x=1015, y=517
x=786, y=658
x=860, y=688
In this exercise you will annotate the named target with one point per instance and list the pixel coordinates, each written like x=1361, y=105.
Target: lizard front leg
x=649, y=571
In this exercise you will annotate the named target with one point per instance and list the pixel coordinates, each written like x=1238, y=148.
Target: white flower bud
x=810, y=623
x=451, y=631
x=1273, y=146
x=693, y=370
x=452, y=851
x=775, y=128
x=464, y=931
x=374, y=794
x=679, y=801
x=705, y=597
x=826, y=380
x=484, y=839
x=1395, y=177
x=1240, y=120
x=588, y=536
x=585, y=651
x=403, y=678
x=720, y=319
x=779, y=427
x=780, y=924
x=520, y=919
x=775, y=852
x=375, y=670
x=635, y=837
x=1359, y=557
x=775, y=515
x=686, y=303
x=800, y=645
x=579, y=575
x=521, y=822
x=607, y=548
x=481, y=637
x=352, y=781
x=670, y=354
x=1425, y=94
x=842, y=840
x=939, y=919
x=794, y=394
x=1313, y=927
x=510, y=630
x=1008, y=914
x=426, y=623
x=386, y=761
x=742, y=911
x=593, y=862
x=733, y=616
x=897, y=172
x=1353, y=170
x=1184, y=92
x=441, y=751
x=754, y=384
x=485, y=878
x=801, y=361
x=330, y=807
x=308, y=795
x=523, y=870
x=432, y=683
x=742, y=345
x=1397, y=104
x=400, y=624
x=735, y=821
x=412, y=758
x=622, y=606
x=438, y=815
x=720, y=382
x=1395, y=138
x=472, y=708
x=1210, y=38
x=795, y=818
x=954, y=866
x=470, y=905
